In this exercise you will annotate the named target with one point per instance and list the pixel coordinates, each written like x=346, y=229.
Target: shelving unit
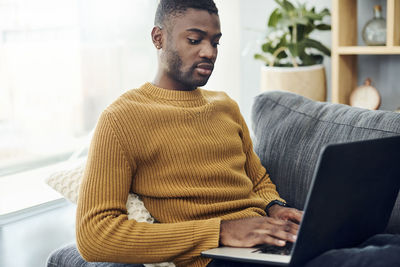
x=345, y=49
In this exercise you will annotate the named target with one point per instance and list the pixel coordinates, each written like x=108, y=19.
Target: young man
x=186, y=152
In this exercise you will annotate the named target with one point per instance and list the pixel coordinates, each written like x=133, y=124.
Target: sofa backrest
x=290, y=130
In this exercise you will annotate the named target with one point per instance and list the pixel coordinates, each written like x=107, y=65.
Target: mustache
x=208, y=62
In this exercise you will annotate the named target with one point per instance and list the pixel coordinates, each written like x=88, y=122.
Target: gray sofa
x=289, y=132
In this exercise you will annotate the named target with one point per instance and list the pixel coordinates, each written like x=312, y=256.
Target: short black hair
x=168, y=8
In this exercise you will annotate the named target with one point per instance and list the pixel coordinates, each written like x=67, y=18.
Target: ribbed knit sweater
x=189, y=157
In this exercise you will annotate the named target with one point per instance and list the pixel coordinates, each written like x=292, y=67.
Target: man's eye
x=216, y=44
x=194, y=41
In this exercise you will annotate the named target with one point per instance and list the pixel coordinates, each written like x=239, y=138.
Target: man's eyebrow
x=202, y=32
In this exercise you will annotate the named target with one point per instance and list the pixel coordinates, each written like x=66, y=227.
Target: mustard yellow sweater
x=189, y=156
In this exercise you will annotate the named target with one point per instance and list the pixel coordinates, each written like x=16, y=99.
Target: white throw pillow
x=67, y=182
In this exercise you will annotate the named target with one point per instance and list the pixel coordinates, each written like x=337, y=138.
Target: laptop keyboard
x=269, y=249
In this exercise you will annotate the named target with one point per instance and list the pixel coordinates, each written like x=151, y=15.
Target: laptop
x=352, y=194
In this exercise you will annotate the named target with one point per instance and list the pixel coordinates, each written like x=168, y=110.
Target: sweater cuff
x=206, y=234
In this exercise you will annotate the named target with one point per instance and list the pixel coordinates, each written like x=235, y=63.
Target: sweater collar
x=176, y=95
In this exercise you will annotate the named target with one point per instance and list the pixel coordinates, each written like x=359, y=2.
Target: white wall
x=226, y=76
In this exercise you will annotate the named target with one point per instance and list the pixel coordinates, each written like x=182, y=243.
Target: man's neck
x=163, y=81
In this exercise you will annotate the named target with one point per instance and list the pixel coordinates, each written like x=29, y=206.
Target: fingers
x=295, y=215
x=275, y=236
x=274, y=232
x=287, y=226
x=265, y=237
x=291, y=214
x=257, y=230
x=284, y=230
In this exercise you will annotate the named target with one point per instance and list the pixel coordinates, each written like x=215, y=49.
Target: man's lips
x=205, y=68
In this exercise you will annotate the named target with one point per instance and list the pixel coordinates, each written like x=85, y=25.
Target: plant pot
x=308, y=81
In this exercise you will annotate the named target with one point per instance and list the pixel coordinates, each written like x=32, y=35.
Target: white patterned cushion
x=67, y=182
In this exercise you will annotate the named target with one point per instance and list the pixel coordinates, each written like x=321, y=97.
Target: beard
x=177, y=73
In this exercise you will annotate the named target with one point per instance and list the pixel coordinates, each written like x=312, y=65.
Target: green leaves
x=323, y=27
x=293, y=49
x=285, y=5
x=317, y=45
x=261, y=57
x=308, y=58
x=274, y=18
x=288, y=39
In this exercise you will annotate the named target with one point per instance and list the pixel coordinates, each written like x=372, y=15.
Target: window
x=61, y=63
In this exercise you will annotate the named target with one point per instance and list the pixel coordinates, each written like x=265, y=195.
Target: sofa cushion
x=69, y=256
x=290, y=130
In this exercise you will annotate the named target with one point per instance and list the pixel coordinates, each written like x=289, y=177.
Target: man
x=186, y=152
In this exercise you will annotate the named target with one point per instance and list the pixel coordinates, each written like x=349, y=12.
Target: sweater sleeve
x=263, y=185
x=103, y=231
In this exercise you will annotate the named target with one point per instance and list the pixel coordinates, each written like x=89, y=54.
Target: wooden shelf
x=393, y=22
x=345, y=49
x=368, y=50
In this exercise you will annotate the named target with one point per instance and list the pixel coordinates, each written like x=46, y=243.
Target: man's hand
x=257, y=230
x=285, y=213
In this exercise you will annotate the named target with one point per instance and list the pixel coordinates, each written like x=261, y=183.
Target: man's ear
x=156, y=37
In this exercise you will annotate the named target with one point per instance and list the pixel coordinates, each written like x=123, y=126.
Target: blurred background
x=63, y=61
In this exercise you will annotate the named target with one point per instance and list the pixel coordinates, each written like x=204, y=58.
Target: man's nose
x=209, y=51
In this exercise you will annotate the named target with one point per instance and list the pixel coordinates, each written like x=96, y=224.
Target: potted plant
x=293, y=60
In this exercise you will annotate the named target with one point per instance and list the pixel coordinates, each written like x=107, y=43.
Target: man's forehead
x=196, y=19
